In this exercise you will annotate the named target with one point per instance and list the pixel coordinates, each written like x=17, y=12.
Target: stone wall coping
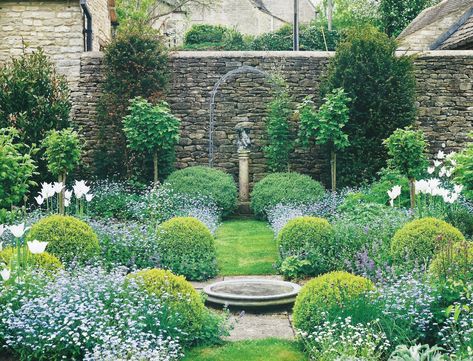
x=290, y=54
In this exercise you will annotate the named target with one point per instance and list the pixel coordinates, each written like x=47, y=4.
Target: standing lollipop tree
x=151, y=129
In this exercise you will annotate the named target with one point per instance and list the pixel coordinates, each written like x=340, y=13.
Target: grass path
x=257, y=350
x=245, y=247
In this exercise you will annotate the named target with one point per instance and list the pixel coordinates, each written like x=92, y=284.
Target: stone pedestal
x=244, y=177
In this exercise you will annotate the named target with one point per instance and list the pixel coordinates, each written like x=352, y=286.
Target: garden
x=101, y=249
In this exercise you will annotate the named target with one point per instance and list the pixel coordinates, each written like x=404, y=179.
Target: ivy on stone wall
x=135, y=64
x=382, y=88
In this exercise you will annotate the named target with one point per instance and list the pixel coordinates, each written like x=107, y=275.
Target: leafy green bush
x=382, y=86
x=454, y=262
x=207, y=182
x=284, y=188
x=420, y=239
x=135, y=64
x=204, y=33
x=464, y=169
x=197, y=321
x=16, y=169
x=321, y=294
x=69, y=238
x=44, y=260
x=307, y=238
x=187, y=248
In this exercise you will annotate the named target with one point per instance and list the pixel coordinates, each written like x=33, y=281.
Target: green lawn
x=254, y=350
x=245, y=247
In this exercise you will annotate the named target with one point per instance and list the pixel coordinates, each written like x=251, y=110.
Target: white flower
x=442, y=171
x=437, y=163
x=5, y=273
x=47, y=190
x=422, y=186
x=89, y=197
x=39, y=199
x=441, y=154
x=18, y=230
x=430, y=170
x=2, y=229
x=395, y=192
x=1, y=246
x=67, y=202
x=452, y=198
x=80, y=189
x=458, y=189
x=37, y=247
x=58, y=187
x=449, y=172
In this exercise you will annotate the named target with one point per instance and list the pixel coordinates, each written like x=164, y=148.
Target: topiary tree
x=407, y=149
x=325, y=126
x=69, y=238
x=135, y=64
x=34, y=99
x=307, y=238
x=206, y=182
x=324, y=293
x=62, y=154
x=419, y=240
x=284, y=188
x=16, y=168
x=151, y=129
x=397, y=15
x=382, y=88
x=187, y=248
x=278, y=129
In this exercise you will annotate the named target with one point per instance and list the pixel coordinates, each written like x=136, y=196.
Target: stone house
x=251, y=17
x=63, y=28
x=445, y=26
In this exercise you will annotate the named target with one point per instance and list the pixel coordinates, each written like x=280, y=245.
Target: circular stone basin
x=252, y=293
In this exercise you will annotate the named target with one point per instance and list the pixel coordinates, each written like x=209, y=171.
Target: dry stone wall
x=444, y=100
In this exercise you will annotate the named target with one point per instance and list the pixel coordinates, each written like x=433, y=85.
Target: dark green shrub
x=204, y=33
x=194, y=318
x=382, y=88
x=212, y=183
x=135, y=64
x=454, y=262
x=328, y=292
x=307, y=238
x=69, y=238
x=284, y=188
x=16, y=169
x=419, y=240
x=187, y=248
x=33, y=97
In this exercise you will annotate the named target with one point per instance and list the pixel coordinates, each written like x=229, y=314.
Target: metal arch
x=241, y=70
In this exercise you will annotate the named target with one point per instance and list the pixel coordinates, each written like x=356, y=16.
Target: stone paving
x=246, y=325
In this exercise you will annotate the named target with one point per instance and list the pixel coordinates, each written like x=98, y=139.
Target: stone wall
x=444, y=97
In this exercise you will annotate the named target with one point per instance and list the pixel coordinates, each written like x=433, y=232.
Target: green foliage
x=284, y=188
x=33, y=97
x=135, y=64
x=151, y=129
x=418, y=353
x=349, y=13
x=397, y=15
x=69, y=238
x=62, y=151
x=213, y=183
x=16, y=168
x=44, y=261
x=382, y=88
x=307, y=238
x=464, y=169
x=278, y=130
x=204, y=33
x=187, y=248
x=199, y=323
x=407, y=151
x=454, y=262
x=420, y=239
x=330, y=291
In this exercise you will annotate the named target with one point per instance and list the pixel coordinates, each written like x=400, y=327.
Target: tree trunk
x=412, y=188
x=329, y=14
x=62, y=179
x=333, y=170
x=155, y=166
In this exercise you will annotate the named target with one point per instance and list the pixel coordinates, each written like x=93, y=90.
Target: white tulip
x=39, y=199
x=37, y=247
x=67, y=202
x=458, y=189
x=437, y=163
x=395, y=192
x=58, y=187
x=18, y=230
x=441, y=154
x=47, y=190
x=430, y=170
x=2, y=229
x=422, y=186
x=5, y=273
x=89, y=197
x=80, y=189
x=68, y=194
